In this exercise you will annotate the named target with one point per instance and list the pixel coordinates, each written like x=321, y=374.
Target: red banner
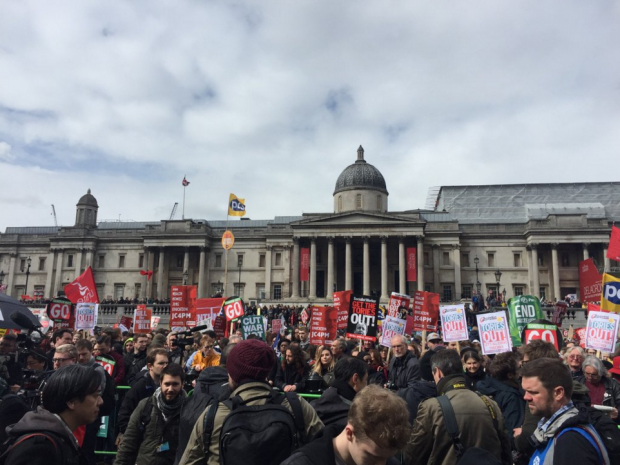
x=589, y=281
x=412, y=265
x=304, y=269
x=593, y=307
x=342, y=301
x=219, y=326
x=580, y=335
x=425, y=311
x=182, y=307
x=208, y=309
x=83, y=288
x=142, y=319
x=323, y=325
x=559, y=312
x=399, y=305
x=613, y=250
x=127, y=322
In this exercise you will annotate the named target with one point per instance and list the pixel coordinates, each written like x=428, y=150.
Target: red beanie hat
x=250, y=360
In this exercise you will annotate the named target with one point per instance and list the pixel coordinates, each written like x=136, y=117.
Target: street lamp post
x=1, y=278
x=504, y=295
x=28, y=261
x=498, y=277
x=476, y=261
x=239, y=263
x=185, y=277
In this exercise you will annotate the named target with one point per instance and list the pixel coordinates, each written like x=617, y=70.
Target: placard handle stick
x=458, y=347
x=423, y=341
x=598, y=354
x=387, y=362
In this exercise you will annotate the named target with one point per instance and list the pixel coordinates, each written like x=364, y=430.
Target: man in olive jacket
x=248, y=365
x=152, y=435
x=430, y=442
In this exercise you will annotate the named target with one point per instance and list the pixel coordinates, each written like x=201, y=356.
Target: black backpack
x=257, y=434
x=194, y=406
x=60, y=456
x=608, y=431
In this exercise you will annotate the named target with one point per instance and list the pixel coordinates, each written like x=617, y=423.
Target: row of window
x=468, y=290
x=517, y=260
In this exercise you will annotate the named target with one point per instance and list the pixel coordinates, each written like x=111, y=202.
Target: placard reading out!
x=601, y=331
x=494, y=333
x=323, y=324
x=453, y=323
x=392, y=327
x=362, y=322
x=85, y=316
x=142, y=319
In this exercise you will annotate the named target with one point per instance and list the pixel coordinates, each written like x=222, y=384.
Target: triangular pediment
x=358, y=218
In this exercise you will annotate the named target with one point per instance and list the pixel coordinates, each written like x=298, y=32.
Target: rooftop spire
x=360, y=153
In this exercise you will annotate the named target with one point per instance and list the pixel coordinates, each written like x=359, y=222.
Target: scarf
x=169, y=409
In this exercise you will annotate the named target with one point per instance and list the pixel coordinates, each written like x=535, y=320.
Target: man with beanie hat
x=248, y=365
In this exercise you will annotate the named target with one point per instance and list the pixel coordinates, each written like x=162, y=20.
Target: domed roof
x=88, y=199
x=360, y=175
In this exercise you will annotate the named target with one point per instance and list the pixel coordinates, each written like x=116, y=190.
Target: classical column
x=420, y=256
x=436, y=269
x=330, y=266
x=268, y=273
x=50, y=272
x=402, y=266
x=201, y=272
x=295, y=293
x=384, y=269
x=366, y=290
x=148, y=283
x=456, y=250
x=286, y=287
x=312, y=269
x=89, y=257
x=11, y=277
x=535, y=273
x=186, y=260
x=556, y=271
x=348, y=274
x=586, y=252
x=607, y=263
x=78, y=263
x=160, y=273
x=59, y=264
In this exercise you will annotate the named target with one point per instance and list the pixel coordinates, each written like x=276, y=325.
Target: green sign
x=521, y=310
x=103, y=427
x=253, y=324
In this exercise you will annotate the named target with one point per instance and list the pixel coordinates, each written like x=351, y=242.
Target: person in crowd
x=128, y=346
x=430, y=442
x=474, y=369
x=339, y=348
x=152, y=435
x=435, y=344
x=377, y=373
x=303, y=335
x=59, y=337
x=64, y=355
x=383, y=350
x=248, y=364
x=474, y=334
x=603, y=389
x=324, y=365
x=503, y=386
x=350, y=377
x=8, y=347
x=533, y=351
x=376, y=429
x=134, y=362
x=144, y=386
x=560, y=438
x=206, y=356
x=614, y=371
x=103, y=347
x=36, y=361
x=213, y=380
x=174, y=351
x=404, y=367
x=293, y=371
x=574, y=359
x=70, y=399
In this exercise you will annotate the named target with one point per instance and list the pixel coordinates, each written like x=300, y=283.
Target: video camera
x=186, y=338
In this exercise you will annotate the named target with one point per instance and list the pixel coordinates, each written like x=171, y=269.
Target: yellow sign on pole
x=228, y=240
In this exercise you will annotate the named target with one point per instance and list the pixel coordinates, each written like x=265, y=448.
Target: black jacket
x=212, y=381
x=472, y=379
x=414, y=395
x=334, y=404
x=144, y=387
x=290, y=375
x=508, y=398
x=404, y=371
x=133, y=365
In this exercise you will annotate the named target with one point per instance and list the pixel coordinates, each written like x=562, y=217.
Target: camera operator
x=8, y=360
x=175, y=352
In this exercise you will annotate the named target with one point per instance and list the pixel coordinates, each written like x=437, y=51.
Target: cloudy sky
x=270, y=100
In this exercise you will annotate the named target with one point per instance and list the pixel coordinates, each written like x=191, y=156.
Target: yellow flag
x=610, y=294
x=236, y=206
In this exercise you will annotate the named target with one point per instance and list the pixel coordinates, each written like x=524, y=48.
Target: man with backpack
x=71, y=399
x=255, y=422
x=565, y=434
x=152, y=436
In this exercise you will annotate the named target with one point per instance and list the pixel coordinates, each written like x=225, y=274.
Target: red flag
x=589, y=281
x=304, y=274
x=185, y=182
x=83, y=288
x=148, y=274
x=411, y=264
x=613, y=251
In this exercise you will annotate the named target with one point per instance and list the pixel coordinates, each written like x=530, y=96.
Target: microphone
x=23, y=321
x=198, y=328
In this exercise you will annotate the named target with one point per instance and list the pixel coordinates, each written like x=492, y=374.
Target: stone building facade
x=534, y=234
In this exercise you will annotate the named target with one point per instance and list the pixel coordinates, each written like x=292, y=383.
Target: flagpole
x=226, y=259
x=184, y=187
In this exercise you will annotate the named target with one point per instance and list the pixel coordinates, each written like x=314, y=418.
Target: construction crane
x=54, y=213
x=174, y=210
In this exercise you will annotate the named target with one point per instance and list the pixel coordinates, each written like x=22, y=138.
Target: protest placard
x=494, y=333
x=453, y=322
x=323, y=325
x=85, y=316
x=304, y=316
x=392, y=327
x=126, y=323
x=425, y=311
x=208, y=309
x=342, y=302
x=590, y=281
x=107, y=362
x=362, y=323
x=276, y=324
x=545, y=331
x=219, y=326
x=182, y=307
x=155, y=322
x=601, y=331
x=521, y=310
x=252, y=324
x=234, y=308
x=142, y=319
x=399, y=305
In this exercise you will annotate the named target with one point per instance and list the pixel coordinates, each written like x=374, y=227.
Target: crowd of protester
x=127, y=394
